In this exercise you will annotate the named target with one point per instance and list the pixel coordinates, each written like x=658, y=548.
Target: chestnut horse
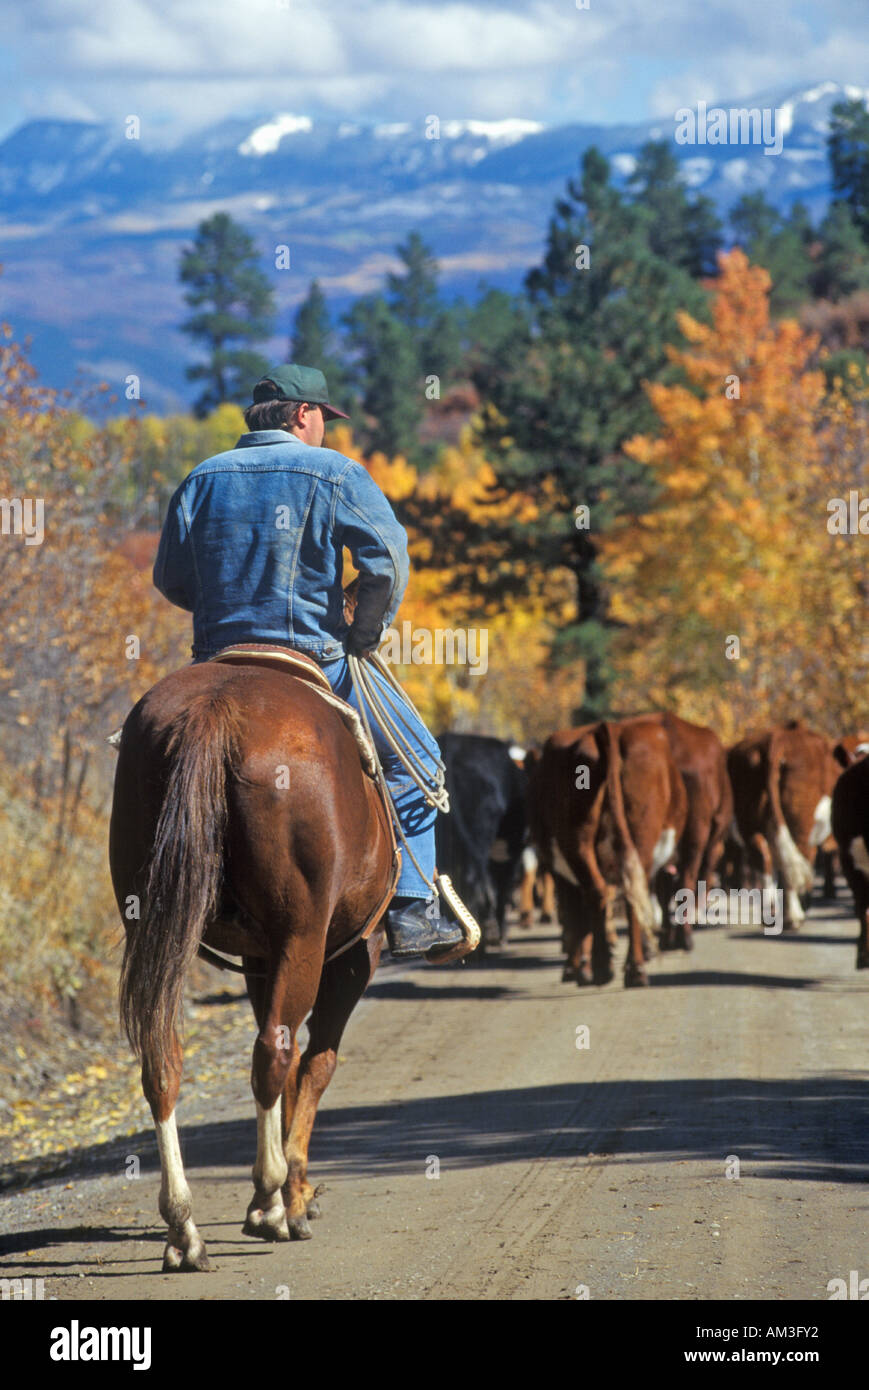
x=243, y=820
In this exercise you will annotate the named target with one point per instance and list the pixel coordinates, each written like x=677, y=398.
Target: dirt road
x=561, y=1168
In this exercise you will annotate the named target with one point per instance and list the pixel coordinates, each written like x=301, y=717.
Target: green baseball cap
x=291, y=382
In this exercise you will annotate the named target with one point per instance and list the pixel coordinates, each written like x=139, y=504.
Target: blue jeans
x=416, y=817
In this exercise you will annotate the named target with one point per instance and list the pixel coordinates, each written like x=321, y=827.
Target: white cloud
x=180, y=64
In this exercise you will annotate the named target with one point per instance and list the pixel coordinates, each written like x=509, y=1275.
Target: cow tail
x=795, y=869
x=635, y=884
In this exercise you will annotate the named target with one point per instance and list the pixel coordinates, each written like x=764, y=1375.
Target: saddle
x=304, y=668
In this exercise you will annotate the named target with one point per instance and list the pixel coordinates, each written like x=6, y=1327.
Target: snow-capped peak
x=266, y=138
x=505, y=132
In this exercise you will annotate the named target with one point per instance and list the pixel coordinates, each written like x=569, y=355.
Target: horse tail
x=183, y=877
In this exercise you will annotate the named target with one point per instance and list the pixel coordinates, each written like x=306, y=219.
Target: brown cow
x=782, y=780
x=699, y=755
x=850, y=818
x=608, y=813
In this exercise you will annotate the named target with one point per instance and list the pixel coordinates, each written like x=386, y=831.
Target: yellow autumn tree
x=738, y=607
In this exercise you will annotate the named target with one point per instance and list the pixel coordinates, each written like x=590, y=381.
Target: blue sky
x=181, y=64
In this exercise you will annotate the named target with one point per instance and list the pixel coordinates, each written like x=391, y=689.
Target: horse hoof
x=863, y=960
x=261, y=1227
x=568, y=974
x=299, y=1228
x=313, y=1210
x=686, y=941
x=635, y=977
x=603, y=975
x=583, y=974
x=177, y=1261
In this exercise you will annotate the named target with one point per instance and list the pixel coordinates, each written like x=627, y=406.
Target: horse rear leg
x=281, y=1007
x=341, y=987
x=185, y=1249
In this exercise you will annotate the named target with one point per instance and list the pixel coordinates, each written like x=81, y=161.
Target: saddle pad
x=279, y=658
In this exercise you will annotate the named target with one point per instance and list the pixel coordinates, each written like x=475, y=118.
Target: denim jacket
x=252, y=546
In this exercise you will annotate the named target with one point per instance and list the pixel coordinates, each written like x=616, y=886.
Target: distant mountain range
x=92, y=222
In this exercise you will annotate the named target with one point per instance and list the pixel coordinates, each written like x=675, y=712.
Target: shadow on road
x=810, y=1129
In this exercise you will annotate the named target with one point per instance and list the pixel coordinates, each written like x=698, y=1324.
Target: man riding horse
x=253, y=545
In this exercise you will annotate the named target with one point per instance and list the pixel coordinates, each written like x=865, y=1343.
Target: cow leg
x=826, y=865
x=502, y=877
x=548, y=910
x=635, y=964
x=578, y=933
x=526, y=888
x=760, y=861
x=604, y=937
x=855, y=867
x=665, y=887
x=341, y=987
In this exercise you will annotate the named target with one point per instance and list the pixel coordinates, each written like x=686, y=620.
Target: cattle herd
x=654, y=809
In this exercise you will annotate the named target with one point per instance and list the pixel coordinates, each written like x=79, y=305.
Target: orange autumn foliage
x=736, y=548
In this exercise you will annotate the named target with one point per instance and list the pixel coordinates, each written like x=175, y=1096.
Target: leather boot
x=412, y=932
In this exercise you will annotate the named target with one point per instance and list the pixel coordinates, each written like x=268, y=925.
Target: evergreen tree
x=681, y=229
x=490, y=327
x=843, y=265
x=848, y=150
x=312, y=342
x=415, y=301
x=234, y=304
x=568, y=394
x=782, y=245
x=386, y=373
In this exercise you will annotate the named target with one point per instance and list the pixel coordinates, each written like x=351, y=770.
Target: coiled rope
x=368, y=693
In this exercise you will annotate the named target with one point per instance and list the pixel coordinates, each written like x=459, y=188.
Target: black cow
x=479, y=844
x=850, y=819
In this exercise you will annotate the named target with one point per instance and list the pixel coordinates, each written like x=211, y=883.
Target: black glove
x=372, y=599
x=359, y=643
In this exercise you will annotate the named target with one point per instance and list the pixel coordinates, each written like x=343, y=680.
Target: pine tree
x=312, y=340
x=386, y=374
x=848, y=150
x=234, y=304
x=490, y=327
x=843, y=265
x=415, y=301
x=568, y=393
x=780, y=244
x=681, y=229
